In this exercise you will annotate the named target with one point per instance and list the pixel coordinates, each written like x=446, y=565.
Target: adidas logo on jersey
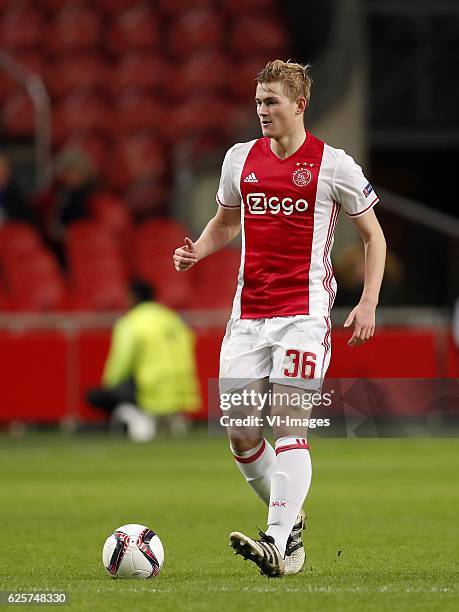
x=251, y=178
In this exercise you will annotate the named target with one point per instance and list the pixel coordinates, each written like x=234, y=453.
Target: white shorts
x=292, y=351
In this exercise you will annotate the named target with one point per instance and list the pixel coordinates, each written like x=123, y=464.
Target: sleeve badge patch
x=368, y=189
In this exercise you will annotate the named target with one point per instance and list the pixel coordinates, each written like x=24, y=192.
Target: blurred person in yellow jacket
x=150, y=372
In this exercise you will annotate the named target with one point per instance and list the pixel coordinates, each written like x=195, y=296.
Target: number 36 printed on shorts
x=303, y=364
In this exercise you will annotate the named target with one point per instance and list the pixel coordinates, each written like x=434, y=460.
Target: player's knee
x=242, y=444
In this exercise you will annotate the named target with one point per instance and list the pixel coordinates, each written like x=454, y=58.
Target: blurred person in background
x=67, y=199
x=13, y=206
x=150, y=372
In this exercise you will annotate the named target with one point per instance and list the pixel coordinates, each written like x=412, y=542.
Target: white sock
x=289, y=487
x=258, y=465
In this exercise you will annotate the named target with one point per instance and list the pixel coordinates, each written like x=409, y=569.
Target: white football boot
x=294, y=552
x=263, y=552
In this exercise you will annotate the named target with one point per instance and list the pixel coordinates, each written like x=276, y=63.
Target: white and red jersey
x=289, y=209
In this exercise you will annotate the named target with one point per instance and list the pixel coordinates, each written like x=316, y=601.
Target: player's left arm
x=363, y=315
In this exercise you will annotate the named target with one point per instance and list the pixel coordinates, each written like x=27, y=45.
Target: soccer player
x=284, y=191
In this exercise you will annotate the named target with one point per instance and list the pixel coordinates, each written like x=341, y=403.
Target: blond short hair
x=295, y=78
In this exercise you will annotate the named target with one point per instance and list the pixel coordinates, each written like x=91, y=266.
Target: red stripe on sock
x=252, y=457
x=302, y=445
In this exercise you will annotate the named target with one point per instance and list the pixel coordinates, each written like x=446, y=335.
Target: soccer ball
x=133, y=551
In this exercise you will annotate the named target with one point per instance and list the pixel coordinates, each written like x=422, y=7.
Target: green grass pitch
x=389, y=505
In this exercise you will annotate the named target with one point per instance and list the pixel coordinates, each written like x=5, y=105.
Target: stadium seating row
x=131, y=81
x=113, y=74
x=101, y=257
x=202, y=25
x=147, y=73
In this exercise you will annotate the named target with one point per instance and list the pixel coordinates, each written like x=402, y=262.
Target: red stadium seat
x=80, y=72
x=197, y=115
x=141, y=71
x=105, y=293
x=177, y=8
x=146, y=198
x=33, y=61
x=266, y=36
x=75, y=29
x=137, y=28
x=44, y=295
x=139, y=157
x=242, y=83
x=97, y=271
x=137, y=111
x=200, y=29
x=203, y=72
x=31, y=273
x=82, y=113
x=111, y=213
x=18, y=239
x=53, y=7
x=112, y=8
x=159, y=235
x=7, y=86
x=104, y=271
x=236, y=8
x=18, y=115
x=153, y=245
x=21, y=28
x=89, y=240
x=4, y=302
x=90, y=249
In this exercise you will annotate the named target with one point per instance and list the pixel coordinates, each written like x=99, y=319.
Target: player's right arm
x=220, y=230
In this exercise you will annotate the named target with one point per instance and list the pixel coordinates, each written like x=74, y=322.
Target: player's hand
x=185, y=256
x=363, y=318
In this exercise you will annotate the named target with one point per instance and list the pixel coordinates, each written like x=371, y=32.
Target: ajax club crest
x=302, y=176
